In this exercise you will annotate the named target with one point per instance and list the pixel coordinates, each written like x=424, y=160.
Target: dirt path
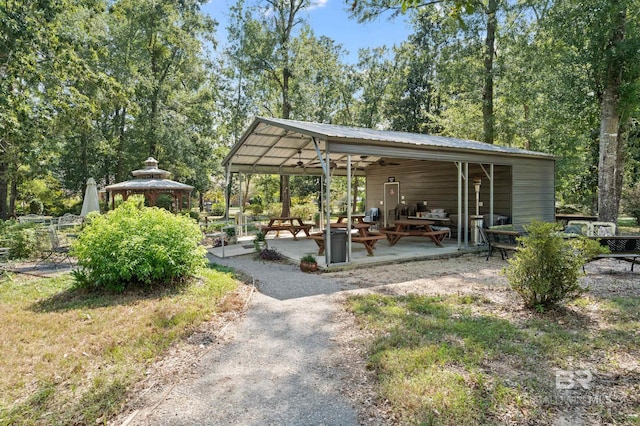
x=279, y=365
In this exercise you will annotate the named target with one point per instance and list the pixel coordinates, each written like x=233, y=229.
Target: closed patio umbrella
x=90, y=203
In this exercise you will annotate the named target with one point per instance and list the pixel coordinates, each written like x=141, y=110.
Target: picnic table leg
x=369, y=247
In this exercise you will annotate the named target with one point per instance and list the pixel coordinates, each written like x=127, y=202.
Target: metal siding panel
x=437, y=183
x=533, y=191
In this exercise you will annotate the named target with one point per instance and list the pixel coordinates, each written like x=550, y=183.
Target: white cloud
x=318, y=4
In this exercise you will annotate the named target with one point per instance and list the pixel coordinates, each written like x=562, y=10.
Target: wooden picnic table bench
x=421, y=228
x=355, y=218
x=292, y=224
x=364, y=237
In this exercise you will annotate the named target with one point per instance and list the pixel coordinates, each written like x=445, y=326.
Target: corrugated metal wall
x=523, y=191
x=533, y=191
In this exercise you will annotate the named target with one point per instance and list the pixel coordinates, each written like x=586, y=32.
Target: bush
x=545, y=270
x=217, y=209
x=192, y=214
x=631, y=202
x=132, y=247
x=304, y=211
x=270, y=254
x=21, y=238
x=36, y=206
x=273, y=209
x=255, y=209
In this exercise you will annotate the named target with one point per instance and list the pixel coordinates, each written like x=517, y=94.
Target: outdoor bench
x=622, y=247
x=500, y=239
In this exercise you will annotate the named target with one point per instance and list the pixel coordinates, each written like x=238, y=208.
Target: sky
x=331, y=18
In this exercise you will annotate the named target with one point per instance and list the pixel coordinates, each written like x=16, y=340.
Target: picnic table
x=413, y=228
x=355, y=218
x=292, y=224
x=363, y=236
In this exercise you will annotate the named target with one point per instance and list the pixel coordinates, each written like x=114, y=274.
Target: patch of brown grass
x=68, y=356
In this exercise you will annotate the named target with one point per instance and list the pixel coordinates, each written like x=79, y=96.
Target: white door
x=391, y=200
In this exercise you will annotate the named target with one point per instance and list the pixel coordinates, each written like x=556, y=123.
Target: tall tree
x=607, y=46
x=37, y=60
x=265, y=47
x=485, y=10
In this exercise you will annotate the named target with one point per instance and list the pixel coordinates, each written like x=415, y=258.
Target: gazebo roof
x=149, y=179
x=151, y=170
x=149, y=184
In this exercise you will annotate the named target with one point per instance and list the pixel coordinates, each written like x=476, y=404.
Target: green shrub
x=36, y=206
x=631, y=202
x=545, y=270
x=255, y=209
x=304, y=211
x=21, y=238
x=218, y=225
x=137, y=247
x=273, y=209
x=192, y=214
x=217, y=209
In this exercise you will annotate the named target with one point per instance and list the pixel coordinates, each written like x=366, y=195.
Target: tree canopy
x=91, y=88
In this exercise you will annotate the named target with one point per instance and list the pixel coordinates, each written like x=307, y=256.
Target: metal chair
x=55, y=248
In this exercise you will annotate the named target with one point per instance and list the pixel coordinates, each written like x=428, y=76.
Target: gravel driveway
x=280, y=365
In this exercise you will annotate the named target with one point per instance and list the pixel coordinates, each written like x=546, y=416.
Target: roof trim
x=379, y=140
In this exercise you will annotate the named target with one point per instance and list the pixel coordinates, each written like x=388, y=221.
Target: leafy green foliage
x=21, y=238
x=545, y=270
x=631, y=202
x=304, y=211
x=132, y=247
x=309, y=258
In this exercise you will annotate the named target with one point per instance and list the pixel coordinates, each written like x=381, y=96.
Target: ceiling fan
x=383, y=162
x=332, y=164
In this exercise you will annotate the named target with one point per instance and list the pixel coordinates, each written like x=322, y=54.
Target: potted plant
x=260, y=241
x=308, y=263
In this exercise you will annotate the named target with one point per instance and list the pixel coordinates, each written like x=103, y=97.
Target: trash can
x=475, y=223
x=338, y=246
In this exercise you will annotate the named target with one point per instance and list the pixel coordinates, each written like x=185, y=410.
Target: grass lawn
x=68, y=356
x=463, y=360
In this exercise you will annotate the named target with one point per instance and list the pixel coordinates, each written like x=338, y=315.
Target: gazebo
x=151, y=182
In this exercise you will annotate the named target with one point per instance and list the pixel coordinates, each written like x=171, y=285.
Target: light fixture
x=300, y=163
x=477, y=181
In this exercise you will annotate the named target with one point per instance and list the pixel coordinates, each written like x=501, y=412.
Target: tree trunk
x=285, y=196
x=4, y=187
x=245, y=198
x=355, y=195
x=488, y=122
x=13, y=196
x=611, y=158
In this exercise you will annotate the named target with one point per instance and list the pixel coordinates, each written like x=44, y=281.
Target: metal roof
x=272, y=145
x=149, y=184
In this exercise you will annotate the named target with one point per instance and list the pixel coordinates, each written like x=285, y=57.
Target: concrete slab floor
x=406, y=250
